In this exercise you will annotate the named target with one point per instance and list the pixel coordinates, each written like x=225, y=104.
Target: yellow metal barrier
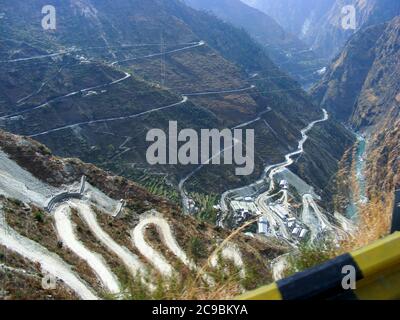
x=377, y=272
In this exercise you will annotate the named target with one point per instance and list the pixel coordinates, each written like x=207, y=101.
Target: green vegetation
x=206, y=203
x=308, y=256
x=185, y=286
x=39, y=216
x=158, y=185
x=43, y=149
x=253, y=279
x=16, y=202
x=197, y=249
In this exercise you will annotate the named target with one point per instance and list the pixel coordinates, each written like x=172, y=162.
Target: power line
x=162, y=58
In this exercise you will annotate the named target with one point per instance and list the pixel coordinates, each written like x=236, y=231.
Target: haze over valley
x=145, y=141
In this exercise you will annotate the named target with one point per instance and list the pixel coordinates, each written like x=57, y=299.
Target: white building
x=284, y=184
x=303, y=233
x=263, y=225
x=296, y=231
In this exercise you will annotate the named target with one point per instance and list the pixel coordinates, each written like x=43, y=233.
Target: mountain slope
x=319, y=23
x=348, y=74
x=26, y=220
x=283, y=48
x=112, y=71
x=295, y=16
x=362, y=88
x=259, y=25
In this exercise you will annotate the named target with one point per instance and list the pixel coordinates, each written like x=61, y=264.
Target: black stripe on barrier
x=396, y=212
x=321, y=282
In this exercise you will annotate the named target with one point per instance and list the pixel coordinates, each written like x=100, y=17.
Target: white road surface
x=184, y=99
x=181, y=185
x=126, y=76
x=66, y=232
x=313, y=217
x=131, y=261
x=22, y=100
x=153, y=256
x=36, y=57
x=289, y=161
x=183, y=181
x=49, y=262
x=258, y=118
x=198, y=44
x=219, y=92
x=262, y=200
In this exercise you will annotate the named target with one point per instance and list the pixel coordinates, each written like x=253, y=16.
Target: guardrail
x=376, y=274
x=62, y=197
x=396, y=212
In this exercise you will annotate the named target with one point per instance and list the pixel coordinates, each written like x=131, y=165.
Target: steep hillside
x=362, y=89
x=294, y=16
x=262, y=27
x=113, y=70
x=348, y=73
x=368, y=66
x=284, y=49
x=319, y=22
x=104, y=252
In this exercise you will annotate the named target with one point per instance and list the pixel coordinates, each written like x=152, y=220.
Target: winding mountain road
x=184, y=100
x=152, y=255
x=197, y=44
x=49, y=262
x=218, y=92
x=19, y=113
x=182, y=182
x=274, y=169
x=131, y=261
x=36, y=57
x=288, y=158
x=67, y=234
